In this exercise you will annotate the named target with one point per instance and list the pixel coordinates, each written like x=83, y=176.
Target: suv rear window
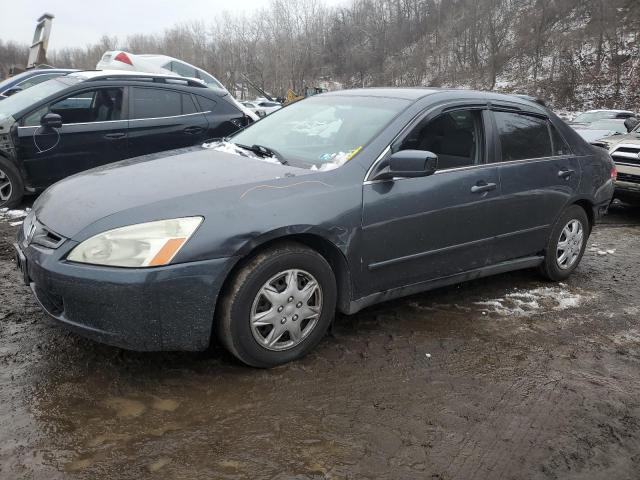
x=523, y=136
x=155, y=102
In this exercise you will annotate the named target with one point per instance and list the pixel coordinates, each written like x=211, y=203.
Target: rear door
x=418, y=229
x=538, y=174
x=93, y=133
x=163, y=119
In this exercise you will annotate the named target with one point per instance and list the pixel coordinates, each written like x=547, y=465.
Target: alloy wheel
x=286, y=310
x=6, y=188
x=569, y=244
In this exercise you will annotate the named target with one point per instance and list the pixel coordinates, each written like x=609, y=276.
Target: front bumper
x=163, y=308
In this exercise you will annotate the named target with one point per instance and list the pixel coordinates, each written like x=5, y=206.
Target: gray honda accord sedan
x=333, y=203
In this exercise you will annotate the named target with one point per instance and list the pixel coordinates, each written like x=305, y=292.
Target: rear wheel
x=278, y=306
x=566, y=244
x=11, y=187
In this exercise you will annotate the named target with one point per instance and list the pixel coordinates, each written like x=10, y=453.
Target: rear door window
x=523, y=136
x=157, y=103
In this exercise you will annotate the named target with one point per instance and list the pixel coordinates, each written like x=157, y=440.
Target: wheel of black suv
x=278, y=306
x=566, y=244
x=11, y=187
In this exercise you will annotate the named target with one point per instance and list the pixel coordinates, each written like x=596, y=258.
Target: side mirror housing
x=409, y=164
x=51, y=120
x=631, y=123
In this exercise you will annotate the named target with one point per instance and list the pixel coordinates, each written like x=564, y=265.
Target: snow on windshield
x=228, y=147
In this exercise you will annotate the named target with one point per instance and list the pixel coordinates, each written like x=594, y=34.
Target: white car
x=120, y=60
x=254, y=108
x=267, y=106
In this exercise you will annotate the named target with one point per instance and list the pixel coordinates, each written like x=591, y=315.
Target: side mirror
x=409, y=164
x=51, y=120
x=12, y=91
x=631, y=123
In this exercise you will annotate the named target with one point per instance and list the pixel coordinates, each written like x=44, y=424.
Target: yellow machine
x=308, y=92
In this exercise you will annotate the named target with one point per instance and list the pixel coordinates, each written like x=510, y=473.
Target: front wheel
x=278, y=306
x=11, y=187
x=566, y=244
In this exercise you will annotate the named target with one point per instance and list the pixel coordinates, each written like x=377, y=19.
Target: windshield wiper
x=264, y=152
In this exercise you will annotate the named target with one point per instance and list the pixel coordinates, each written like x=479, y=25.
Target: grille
x=38, y=234
x=627, y=177
x=626, y=154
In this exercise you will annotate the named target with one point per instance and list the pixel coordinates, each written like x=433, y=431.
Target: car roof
x=87, y=75
x=416, y=93
x=92, y=74
x=607, y=110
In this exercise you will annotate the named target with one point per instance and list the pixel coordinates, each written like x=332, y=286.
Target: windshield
x=613, y=125
x=6, y=82
x=26, y=98
x=322, y=132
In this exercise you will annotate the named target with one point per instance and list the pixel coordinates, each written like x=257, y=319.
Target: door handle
x=193, y=130
x=483, y=186
x=115, y=136
x=566, y=173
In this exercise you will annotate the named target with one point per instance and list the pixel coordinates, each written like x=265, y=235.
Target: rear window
x=155, y=102
x=523, y=136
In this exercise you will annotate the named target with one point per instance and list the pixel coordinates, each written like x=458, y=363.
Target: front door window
x=454, y=137
x=99, y=105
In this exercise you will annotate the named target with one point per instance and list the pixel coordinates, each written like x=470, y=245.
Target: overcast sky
x=79, y=22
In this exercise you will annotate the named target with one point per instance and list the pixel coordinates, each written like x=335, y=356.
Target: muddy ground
x=508, y=377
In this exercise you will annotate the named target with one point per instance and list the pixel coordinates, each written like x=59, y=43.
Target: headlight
x=143, y=245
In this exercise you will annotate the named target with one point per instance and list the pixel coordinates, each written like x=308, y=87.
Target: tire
x=259, y=323
x=11, y=186
x=553, y=268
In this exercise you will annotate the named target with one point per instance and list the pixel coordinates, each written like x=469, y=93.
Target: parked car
x=602, y=128
x=625, y=151
x=268, y=106
x=254, y=108
x=120, y=60
x=594, y=115
x=28, y=79
x=337, y=202
x=86, y=119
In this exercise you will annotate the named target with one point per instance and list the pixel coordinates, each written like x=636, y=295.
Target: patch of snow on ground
x=528, y=302
x=14, y=217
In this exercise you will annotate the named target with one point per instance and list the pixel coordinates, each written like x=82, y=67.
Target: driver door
x=426, y=228
x=93, y=133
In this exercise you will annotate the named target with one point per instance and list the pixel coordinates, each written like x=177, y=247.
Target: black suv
x=87, y=119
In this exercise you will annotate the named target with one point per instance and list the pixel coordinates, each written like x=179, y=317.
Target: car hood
x=590, y=134
x=614, y=140
x=172, y=180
